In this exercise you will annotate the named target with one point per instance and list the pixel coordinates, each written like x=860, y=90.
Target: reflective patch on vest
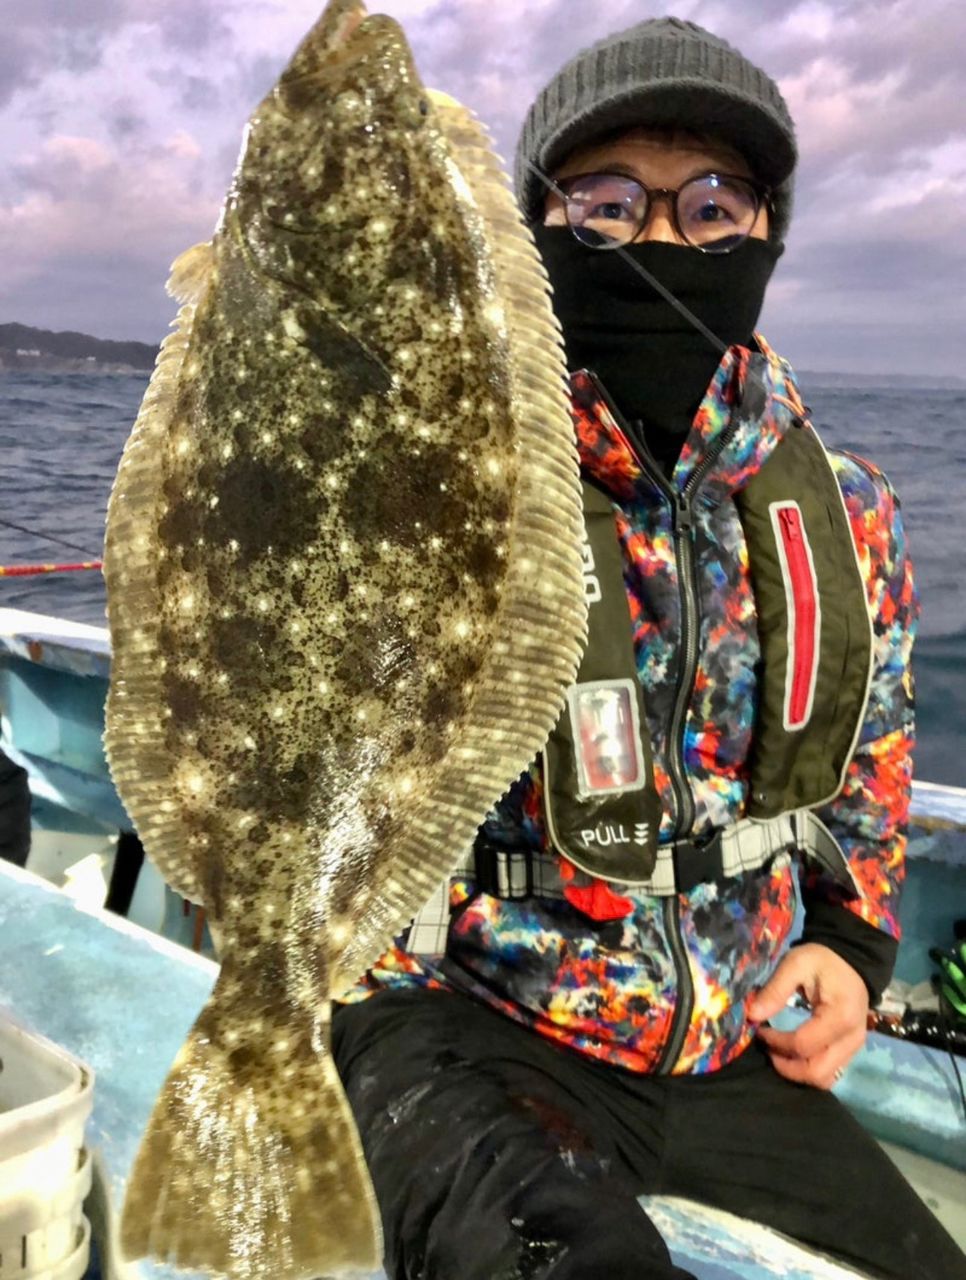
x=606, y=732
x=804, y=612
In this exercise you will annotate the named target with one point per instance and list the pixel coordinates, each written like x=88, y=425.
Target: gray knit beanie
x=663, y=72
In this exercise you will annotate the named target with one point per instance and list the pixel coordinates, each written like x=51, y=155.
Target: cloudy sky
x=120, y=122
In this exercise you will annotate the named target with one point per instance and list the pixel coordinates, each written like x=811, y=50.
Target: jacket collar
x=752, y=399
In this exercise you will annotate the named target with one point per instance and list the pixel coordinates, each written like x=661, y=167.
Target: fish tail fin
x=251, y=1165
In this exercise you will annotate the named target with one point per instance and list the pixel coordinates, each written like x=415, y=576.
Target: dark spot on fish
x=241, y=643
x=441, y=267
x=401, y=492
x=479, y=556
x=323, y=439
x=407, y=742
x=182, y=697
x=243, y=1061
x=361, y=370
x=262, y=507
x=441, y=705
x=333, y=176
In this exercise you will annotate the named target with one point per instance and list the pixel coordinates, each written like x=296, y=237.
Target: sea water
x=61, y=436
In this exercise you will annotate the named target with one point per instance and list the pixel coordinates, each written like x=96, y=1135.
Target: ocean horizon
x=62, y=434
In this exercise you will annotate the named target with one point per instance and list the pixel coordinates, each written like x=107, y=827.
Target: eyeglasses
x=713, y=212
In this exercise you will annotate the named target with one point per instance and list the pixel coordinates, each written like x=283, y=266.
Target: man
x=597, y=1028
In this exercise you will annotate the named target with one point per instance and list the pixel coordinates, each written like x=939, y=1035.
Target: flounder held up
x=345, y=600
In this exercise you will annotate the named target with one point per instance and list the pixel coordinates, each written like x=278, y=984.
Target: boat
x=100, y=956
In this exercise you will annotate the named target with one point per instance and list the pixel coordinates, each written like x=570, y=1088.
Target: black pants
x=496, y=1154
x=14, y=812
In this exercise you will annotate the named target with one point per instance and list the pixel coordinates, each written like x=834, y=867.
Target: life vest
x=602, y=806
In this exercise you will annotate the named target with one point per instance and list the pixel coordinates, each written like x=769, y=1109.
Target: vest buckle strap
x=698, y=861
x=750, y=844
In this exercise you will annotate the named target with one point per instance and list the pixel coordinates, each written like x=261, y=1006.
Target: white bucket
x=45, y=1170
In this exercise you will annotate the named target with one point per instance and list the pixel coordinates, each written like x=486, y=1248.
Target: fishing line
x=34, y=533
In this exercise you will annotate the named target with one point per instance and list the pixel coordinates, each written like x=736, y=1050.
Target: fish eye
x=424, y=106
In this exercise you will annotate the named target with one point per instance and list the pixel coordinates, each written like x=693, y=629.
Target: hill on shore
x=22, y=347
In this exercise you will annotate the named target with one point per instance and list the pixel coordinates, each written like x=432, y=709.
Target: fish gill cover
x=345, y=600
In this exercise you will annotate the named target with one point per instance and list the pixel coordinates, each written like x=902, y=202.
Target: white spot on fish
x=237, y=415
x=187, y=602
x=267, y=437
x=226, y=452
x=249, y=742
x=290, y=323
x=264, y=604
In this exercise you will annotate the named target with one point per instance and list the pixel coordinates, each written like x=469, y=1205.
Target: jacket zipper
x=682, y=529
x=801, y=582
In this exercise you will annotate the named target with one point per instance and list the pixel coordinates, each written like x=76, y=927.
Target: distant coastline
x=879, y=381
x=22, y=347
x=26, y=348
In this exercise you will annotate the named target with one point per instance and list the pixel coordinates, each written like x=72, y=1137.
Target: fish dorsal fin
x=191, y=272
x=541, y=625
x=134, y=737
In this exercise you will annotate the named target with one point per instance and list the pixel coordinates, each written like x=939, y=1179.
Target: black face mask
x=653, y=363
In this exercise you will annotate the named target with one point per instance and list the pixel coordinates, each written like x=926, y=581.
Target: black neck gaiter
x=653, y=363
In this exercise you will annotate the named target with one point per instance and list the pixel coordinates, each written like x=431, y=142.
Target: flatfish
x=345, y=601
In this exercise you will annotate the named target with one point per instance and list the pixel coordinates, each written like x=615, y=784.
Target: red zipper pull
x=791, y=522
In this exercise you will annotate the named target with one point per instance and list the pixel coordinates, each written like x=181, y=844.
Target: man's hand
x=817, y=1050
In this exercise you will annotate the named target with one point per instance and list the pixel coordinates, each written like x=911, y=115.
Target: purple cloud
x=120, y=122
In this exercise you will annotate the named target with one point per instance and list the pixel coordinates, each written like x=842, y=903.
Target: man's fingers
x=776, y=993
x=826, y=1025
x=821, y=1070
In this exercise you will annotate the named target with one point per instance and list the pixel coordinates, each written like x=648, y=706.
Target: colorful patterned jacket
x=665, y=988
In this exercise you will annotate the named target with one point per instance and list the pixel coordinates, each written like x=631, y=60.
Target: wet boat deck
x=122, y=999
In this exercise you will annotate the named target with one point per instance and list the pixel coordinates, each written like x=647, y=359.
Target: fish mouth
x=329, y=42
